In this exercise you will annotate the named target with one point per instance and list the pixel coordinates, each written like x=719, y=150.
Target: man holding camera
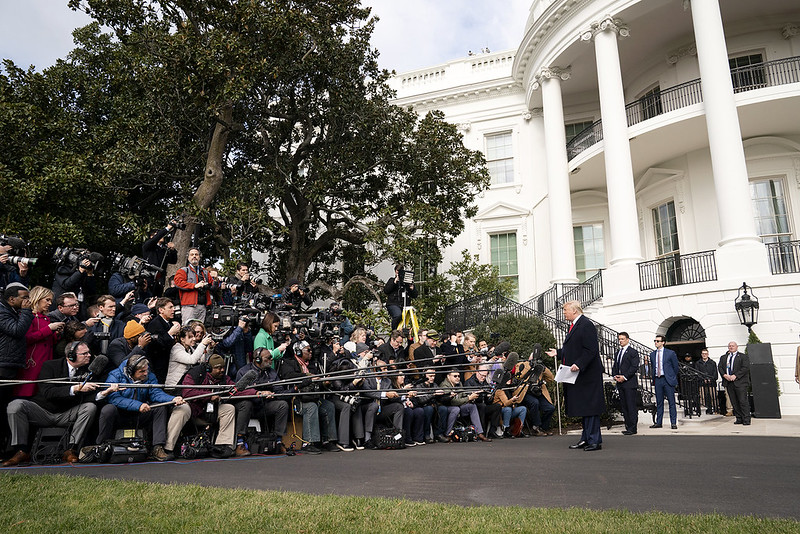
x=78, y=279
x=399, y=294
x=162, y=330
x=295, y=296
x=15, y=319
x=157, y=250
x=193, y=284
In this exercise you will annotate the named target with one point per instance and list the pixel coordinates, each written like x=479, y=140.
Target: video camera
x=179, y=222
x=406, y=277
x=221, y=320
x=134, y=266
x=73, y=257
x=17, y=252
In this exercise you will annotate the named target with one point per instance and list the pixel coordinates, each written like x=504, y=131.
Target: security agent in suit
x=585, y=398
x=664, y=369
x=624, y=371
x=734, y=367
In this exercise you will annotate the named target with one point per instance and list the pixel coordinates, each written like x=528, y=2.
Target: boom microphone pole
x=247, y=380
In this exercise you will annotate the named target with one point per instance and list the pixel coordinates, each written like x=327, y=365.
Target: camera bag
x=389, y=438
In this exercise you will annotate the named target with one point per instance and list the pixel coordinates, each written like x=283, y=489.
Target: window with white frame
x=747, y=72
x=589, y=250
x=503, y=249
x=500, y=158
x=651, y=103
x=573, y=129
x=665, y=227
x=769, y=208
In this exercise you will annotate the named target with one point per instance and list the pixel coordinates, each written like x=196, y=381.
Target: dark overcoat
x=585, y=397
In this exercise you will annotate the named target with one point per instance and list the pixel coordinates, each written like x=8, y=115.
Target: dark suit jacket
x=586, y=396
x=670, y=366
x=55, y=398
x=159, y=347
x=741, y=369
x=629, y=368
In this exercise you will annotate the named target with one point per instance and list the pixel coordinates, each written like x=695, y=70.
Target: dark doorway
x=687, y=338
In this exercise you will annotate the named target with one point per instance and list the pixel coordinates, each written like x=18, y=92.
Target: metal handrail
x=677, y=269
x=784, y=257
x=747, y=78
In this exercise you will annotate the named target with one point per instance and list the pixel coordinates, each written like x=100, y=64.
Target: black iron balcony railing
x=784, y=258
x=748, y=78
x=678, y=269
x=586, y=292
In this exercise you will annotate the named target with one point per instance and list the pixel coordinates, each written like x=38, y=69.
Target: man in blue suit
x=664, y=371
x=585, y=398
x=625, y=371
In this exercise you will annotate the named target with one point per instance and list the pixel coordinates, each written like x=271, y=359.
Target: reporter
x=186, y=354
x=163, y=330
x=40, y=340
x=266, y=337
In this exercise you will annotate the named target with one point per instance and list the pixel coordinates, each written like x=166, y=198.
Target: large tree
x=269, y=122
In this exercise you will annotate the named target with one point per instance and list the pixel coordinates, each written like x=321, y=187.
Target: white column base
x=741, y=261
x=619, y=281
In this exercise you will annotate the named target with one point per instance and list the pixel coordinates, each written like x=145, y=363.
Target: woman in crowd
x=266, y=337
x=41, y=339
x=186, y=354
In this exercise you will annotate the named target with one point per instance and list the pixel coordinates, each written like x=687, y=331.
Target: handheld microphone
x=96, y=367
x=537, y=351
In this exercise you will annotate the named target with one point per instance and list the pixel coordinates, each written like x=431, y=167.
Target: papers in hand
x=565, y=374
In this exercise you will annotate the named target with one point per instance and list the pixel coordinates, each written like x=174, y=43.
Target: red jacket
x=186, y=289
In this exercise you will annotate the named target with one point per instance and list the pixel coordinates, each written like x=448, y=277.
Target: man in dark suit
x=664, y=369
x=735, y=370
x=162, y=331
x=584, y=398
x=57, y=404
x=624, y=370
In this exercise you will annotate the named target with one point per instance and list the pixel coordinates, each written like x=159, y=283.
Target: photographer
x=76, y=278
x=238, y=343
x=398, y=295
x=295, y=296
x=240, y=284
x=15, y=320
x=110, y=325
x=163, y=330
x=193, y=284
x=157, y=250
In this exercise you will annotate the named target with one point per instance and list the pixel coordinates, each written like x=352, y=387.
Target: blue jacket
x=119, y=286
x=670, y=366
x=132, y=398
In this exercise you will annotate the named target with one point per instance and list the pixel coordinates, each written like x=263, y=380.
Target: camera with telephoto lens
x=134, y=267
x=221, y=320
x=17, y=252
x=179, y=222
x=74, y=257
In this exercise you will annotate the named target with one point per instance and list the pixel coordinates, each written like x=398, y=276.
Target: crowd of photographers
x=176, y=356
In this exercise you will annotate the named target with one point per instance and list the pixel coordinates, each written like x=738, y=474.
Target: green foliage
x=269, y=122
x=521, y=332
x=463, y=279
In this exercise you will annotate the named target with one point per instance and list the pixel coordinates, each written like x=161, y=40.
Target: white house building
x=657, y=140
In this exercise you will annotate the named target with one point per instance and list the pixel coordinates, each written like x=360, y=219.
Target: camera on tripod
x=74, y=257
x=134, y=267
x=17, y=252
x=221, y=320
x=406, y=277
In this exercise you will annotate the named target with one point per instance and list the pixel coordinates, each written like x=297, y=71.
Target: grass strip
x=57, y=503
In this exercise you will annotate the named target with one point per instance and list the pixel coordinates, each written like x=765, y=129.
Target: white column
x=623, y=220
x=731, y=184
x=562, y=248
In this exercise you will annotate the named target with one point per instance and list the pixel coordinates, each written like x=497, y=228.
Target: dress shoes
x=628, y=432
x=369, y=444
x=593, y=447
x=69, y=457
x=21, y=457
x=241, y=451
x=580, y=445
x=745, y=423
x=655, y=426
x=482, y=437
x=737, y=422
x=441, y=439
x=674, y=427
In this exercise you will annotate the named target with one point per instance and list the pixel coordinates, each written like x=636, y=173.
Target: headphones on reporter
x=133, y=363
x=72, y=350
x=257, y=355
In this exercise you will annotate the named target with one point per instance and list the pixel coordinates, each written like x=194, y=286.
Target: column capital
x=675, y=55
x=464, y=127
x=607, y=23
x=687, y=4
x=790, y=30
x=548, y=73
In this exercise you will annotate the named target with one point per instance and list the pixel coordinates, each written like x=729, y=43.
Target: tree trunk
x=212, y=181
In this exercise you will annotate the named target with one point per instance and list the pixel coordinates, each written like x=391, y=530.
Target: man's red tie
x=570, y=327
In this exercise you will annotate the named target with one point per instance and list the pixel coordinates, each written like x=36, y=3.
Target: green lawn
x=44, y=504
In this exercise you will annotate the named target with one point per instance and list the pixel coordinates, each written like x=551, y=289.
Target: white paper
x=565, y=374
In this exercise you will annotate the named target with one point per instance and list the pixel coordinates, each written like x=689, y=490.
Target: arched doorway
x=687, y=338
